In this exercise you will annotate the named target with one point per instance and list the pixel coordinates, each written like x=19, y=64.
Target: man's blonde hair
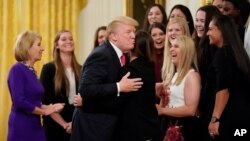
x=120, y=20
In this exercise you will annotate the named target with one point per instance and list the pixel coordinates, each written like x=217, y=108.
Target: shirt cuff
x=118, y=89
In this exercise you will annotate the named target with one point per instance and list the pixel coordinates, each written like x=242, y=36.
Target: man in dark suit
x=100, y=84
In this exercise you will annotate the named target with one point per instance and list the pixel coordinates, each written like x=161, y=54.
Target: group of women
x=201, y=79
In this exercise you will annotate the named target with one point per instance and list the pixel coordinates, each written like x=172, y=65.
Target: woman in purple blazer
x=26, y=91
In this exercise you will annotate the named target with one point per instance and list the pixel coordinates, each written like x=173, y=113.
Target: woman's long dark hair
x=232, y=40
x=164, y=16
x=204, y=50
x=144, y=45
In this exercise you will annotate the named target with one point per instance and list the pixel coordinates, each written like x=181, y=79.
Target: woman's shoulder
x=223, y=52
x=141, y=63
x=49, y=65
x=13, y=68
x=18, y=66
x=193, y=74
x=18, y=69
x=192, y=71
x=223, y=56
x=48, y=68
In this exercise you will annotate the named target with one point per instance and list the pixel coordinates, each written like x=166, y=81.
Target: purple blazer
x=26, y=93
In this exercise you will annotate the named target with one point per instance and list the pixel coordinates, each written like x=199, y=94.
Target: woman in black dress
x=227, y=87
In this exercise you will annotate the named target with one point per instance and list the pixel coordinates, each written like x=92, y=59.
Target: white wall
x=96, y=13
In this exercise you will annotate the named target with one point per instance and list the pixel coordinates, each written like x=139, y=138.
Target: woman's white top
x=247, y=40
x=176, y=94
x=72, y=84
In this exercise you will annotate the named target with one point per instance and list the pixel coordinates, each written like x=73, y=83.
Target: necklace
x=30, y=67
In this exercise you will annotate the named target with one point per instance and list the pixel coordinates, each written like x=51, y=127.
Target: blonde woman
x=177, y=26
x=181, y=77
x=26, y=91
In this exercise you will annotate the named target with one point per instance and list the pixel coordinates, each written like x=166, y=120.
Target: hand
x=160, y=108
x=58, y=107
x=213, y=129
x=68, y=127
x=49, y=109
x=52, y=108
x=158, y=88
x=165, y=97
x=129, y=85
x=77, y=100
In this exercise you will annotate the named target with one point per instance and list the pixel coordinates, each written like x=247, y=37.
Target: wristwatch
x=215, y=119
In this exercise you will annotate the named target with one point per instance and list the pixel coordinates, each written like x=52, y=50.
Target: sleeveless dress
x=176, y=99
x=176, y=96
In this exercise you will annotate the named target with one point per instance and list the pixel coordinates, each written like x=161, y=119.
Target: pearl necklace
x=29, y=67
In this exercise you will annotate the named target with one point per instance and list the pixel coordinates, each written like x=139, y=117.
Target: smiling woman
x=183, y=81
x=18, y=15
x=138, y=8
x=26, y=91
x=60, y=80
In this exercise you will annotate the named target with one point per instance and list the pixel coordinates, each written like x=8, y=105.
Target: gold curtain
x=43, y=16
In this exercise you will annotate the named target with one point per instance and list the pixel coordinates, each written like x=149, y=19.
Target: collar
x=117, y=50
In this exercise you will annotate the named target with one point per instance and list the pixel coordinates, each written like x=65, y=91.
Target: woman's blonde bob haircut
x=23, y=43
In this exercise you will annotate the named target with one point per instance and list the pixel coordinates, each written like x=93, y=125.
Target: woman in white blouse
x=60, y=79
x=182, y=81
x=247, y=37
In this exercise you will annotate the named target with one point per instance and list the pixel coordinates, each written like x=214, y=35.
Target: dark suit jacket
x=96, y=120
x=139, y=118
x=54, y=131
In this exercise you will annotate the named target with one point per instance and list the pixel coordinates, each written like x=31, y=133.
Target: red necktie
x=123, y=60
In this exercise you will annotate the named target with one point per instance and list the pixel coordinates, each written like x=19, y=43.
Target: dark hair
x=210, y=11
x=164, y=16
x=244, y=9
x=96, y=35
x=204, y=50
x=144, y=45
x=157, y=25
x=232, y=41
x=185, y=10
